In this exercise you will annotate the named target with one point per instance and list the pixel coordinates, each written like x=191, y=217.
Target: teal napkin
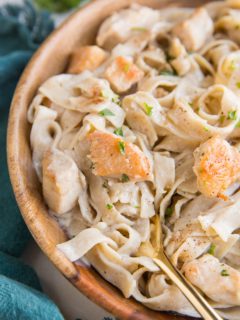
x=22, y=30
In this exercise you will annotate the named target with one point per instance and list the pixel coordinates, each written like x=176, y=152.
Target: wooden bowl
x=50, y=59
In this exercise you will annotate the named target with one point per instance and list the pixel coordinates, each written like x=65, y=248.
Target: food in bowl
x=140, y=137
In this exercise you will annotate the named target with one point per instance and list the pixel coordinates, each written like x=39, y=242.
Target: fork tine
x=192, y=294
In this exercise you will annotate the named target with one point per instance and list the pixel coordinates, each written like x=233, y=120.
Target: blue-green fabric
x=21, y=302
x=22, y=29
x=21, y=32
x=13, y=268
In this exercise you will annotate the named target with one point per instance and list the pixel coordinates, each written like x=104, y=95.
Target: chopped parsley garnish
x=232, y=115
x=116, y=99
x=190, y=104
x=212, y=248
x=121, y=145
x=238, y=125
x=105, y=184
x=106, y=112
x=206, y=128
x=92, y=128
x=104, y=94
x=224, y=273
x=148, y=108
x=126, y=67
x=232, y=65
x=222, y=118
x=109, y=206
x=124, y=178
x=119, y=132
x=238, y=85
x=169, y=212
x=137, y=207
x=167, y=73
x=138, y=29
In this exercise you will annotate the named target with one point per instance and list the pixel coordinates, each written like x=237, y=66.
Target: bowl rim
x=19, y=185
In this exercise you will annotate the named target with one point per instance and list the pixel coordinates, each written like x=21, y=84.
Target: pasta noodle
x=143, y=142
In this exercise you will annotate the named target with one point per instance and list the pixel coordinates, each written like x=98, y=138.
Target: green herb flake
x=232, y=65
x=126, y=67
x=92, y=128
x=109, y=206
x=238, y=125
x=137, y=207
x=238, y=85
x=232, y=115
x=106, y=112
x=121, y=145
x=119, y=132
x=105, y=184
x=212, y=248
x=224, y=273
x=190, y=104
x=167, y=73
x=148, y=108
x=104, y=94
x=125, y=178
x=169, y=212
x=142, y=29
x=116, y=99
x=206, y=129
x=222, y=119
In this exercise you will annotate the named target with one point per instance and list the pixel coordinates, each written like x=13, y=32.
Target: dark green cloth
x=22, y=30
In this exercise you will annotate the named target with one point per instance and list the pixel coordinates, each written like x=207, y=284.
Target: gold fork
x=191, y=293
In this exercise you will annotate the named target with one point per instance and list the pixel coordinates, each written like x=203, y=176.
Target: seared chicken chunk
x=194, y=31
x=113, y=157
x=123, y=24
x=86, y=58
x=217, y=280
x=217, y=166
x=122, y=74
x=61, y=184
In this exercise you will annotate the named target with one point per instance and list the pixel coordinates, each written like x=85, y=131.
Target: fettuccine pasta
x=139, y=140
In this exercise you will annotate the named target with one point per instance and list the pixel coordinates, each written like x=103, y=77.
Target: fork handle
x=194, y=297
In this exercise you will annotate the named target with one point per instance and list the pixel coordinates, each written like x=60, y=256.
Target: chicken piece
x=113, y=157
x=122, y=74
x=86, y=58
x=217, y=166
x=122, y=25
x=61, y=182
x=194, y=31
x=217, y=280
